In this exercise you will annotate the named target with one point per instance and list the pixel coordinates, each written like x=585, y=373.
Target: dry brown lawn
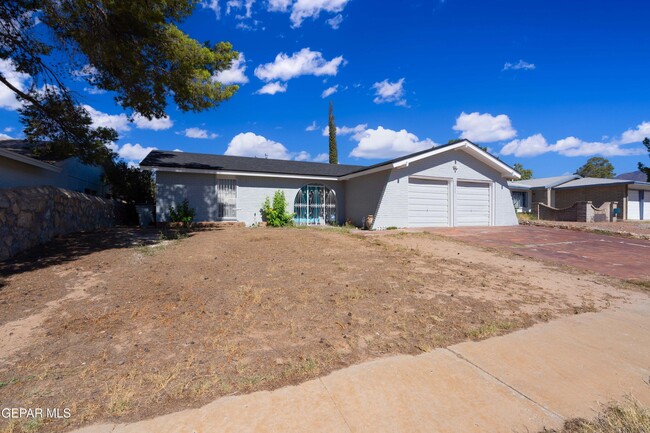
x=120, y=332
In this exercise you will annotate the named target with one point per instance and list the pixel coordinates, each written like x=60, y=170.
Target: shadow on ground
x=73, y=246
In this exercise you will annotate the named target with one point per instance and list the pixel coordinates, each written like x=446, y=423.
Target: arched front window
x=315, y=204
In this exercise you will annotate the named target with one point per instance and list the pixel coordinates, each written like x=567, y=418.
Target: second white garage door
x=638, y=205
x=472, y=204
x=428, y=203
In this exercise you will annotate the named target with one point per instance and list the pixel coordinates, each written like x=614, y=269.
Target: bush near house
x=276, y=215
x=182, y=214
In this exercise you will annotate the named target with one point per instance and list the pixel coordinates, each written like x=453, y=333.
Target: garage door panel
x=633, y=205
x=472, y=204
x=428, y=203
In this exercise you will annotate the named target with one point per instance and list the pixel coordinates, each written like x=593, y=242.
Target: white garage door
x=638, y=205
x=472, y=204
x=428, y=203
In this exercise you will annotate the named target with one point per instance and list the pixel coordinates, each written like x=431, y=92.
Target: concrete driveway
x=608, y=255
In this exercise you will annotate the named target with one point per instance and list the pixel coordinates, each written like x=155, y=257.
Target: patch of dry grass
x=627, y=417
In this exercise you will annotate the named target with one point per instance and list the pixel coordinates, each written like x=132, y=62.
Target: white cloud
x=519, y=65
x=236, y=74
x=199, y=133
x=329, y=91
x=303, y=9
x=390, y=92
x=304, y=62
x=355, y=131
x=9, y=129
x=484, y=128
x=278, y=5
x=154, y=124
x=249, y=144
x=214, y=6
x=321, y=157
x=531, y=146
x=94, y=90
x=335, y=22
x=386, y=143
x=312, y=127
x=8, y=99
x=5, y=137
x=636, y=135
x=119, y=122
x=134, y=152
x=177, y=150
x=569, y=146
x=272, y=88
x=302, y=156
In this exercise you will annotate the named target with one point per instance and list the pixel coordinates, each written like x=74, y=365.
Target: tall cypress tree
x=334, y=153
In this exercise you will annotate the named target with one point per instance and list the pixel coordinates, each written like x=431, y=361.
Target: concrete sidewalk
x=520, y=382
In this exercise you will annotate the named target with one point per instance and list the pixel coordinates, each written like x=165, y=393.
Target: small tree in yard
x=276, y=214
x=182, y=214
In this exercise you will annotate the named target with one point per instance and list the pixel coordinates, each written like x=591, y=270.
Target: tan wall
x=596, y=195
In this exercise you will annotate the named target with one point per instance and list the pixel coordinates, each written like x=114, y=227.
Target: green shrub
x=276, y=215
x=182, y=214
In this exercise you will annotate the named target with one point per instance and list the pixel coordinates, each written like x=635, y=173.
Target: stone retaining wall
x=32, y=216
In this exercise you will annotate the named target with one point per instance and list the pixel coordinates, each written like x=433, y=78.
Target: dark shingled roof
x=201, y=161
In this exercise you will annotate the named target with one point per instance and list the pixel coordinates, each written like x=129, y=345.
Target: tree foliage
x=643, y=168
x=182, y=214
x=597, y=167
x=334, y=153
x=524, y=172
x=130, y=184
x=132, y=48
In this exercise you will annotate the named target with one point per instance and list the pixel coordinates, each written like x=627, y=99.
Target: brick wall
x=34, y=215
x=597, y=195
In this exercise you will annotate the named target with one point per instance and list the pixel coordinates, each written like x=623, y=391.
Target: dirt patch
x=134, y=332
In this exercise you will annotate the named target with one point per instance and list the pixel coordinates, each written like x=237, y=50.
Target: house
x=21, y=167
x=563, y=191
x=452, y=185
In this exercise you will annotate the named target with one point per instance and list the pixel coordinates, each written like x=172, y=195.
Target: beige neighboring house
x=21, y=167
x=633, y=197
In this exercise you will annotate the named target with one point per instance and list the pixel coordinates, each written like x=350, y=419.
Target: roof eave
x=30, y=161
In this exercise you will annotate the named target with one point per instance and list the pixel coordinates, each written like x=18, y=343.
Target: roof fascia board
x=237, y=173
x=596, y=185
x=30, y=161
x=505, y=171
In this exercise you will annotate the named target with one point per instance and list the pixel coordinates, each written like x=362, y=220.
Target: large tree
x=597, y=167
x=132, y=48
x=334, y=153
x=643, y=168
x=525, y=173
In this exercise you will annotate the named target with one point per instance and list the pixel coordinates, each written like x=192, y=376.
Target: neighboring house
x=20, y=167
x=633, y=197
x=452, y=185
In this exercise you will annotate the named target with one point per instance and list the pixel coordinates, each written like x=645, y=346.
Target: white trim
x=506, y=172
x=30, y=161
x=239, y=173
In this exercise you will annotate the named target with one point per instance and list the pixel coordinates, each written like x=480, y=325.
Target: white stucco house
x=452, y=185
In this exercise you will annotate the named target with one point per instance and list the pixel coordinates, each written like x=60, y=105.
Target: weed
x=33, y=425
x=391, y=228
x=627, y=417
x=488, y=330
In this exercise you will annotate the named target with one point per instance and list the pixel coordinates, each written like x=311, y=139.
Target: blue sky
x=545, y=83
